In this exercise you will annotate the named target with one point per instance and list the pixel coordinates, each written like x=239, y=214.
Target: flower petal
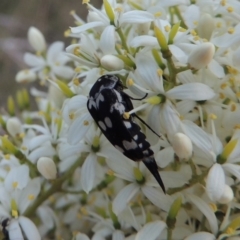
x=151, y=230
x=206, y=210
x=191, y=91
x=124, y=196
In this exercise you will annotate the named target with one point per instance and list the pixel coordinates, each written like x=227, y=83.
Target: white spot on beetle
x=129, y=145
x=91, y=103
x=140, y=145
x=108, y=122
x=119, y=107
x=102, y=125
x=146, y=152
x=99, y=98
x=135, y=137
x=119, y=97
x=127, y=124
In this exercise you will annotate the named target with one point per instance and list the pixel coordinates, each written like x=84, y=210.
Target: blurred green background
x=51, y=17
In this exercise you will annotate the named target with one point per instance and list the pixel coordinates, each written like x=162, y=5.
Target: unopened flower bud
x=206, y=26
x=182, y=146
x=47, y=167
x=36, y=39
x=110, y=62
x=227, y=195
x=201, y=56
x=14, y=126
x=173, y=212
x=25, y=76
x=215, y=182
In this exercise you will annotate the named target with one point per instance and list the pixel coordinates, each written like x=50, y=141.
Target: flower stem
x=56, y=186
x=169, y=234
x=121, y=35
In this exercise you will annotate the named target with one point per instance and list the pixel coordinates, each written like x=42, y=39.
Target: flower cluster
x=62, y=179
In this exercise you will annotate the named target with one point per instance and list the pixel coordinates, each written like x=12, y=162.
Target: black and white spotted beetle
x=107, y=103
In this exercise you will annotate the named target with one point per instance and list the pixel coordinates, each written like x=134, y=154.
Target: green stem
x=122, y=37
x=177, y=12
x=169, y=234
x=193, y=167
x=56, y=186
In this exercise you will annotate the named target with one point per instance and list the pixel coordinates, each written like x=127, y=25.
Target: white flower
x=53, y=66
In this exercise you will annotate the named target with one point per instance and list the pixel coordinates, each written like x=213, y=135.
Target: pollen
x=15, y=185
x=233, y=107
x=21, y=135
x=222, y=96
x=196, y=38
x=71, y=116
x=77, y=70
x=76, y=51
x=67, y=33
x=85, y=123
x=231, y=30
x=110, y=172
x=230, y=231
x=238, y=94
x=85, y=1
x=193, y=32
x=76, y=82
x=224, y=85
x=126, y=115
x=72, y=12
x=223, y=2
x=219, y=25
x=195, y=23
x=182, y=29
x=213, y=207
x=158, y=14
x=130, y=82
x=7, y=156
x=31, y=197
x=160, y=72
x=118, y=9
x=237, y=126
x=230, y=9
x=213, y=116
x=24, y=148
x=15, y=213
x=167, y=28
x=84, y=211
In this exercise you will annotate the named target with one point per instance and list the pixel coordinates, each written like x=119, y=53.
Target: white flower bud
x=14, y=126
x=203, y=31
x=47, y=167
x=227, y=195
x=111, y=62
x=25, y=76
x=201, y=56
x=182, y=146
x=36, y=39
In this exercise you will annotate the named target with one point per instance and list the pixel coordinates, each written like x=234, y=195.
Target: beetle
x=5, y=224
x=107, y=104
